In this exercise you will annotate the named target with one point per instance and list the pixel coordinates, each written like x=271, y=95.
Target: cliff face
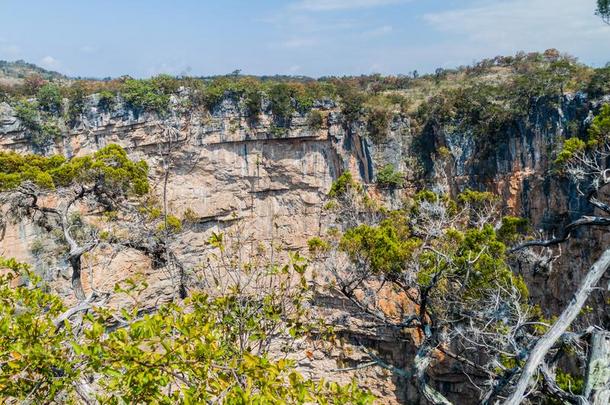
x=518, y=165
x=225, y=172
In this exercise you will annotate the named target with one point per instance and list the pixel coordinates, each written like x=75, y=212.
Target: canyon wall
x=228, y=172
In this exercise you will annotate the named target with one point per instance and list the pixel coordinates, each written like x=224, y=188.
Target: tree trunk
x=77, y=285
x=597, y=381
x=566, y=318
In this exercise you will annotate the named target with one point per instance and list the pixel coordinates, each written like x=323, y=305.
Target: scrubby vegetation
x=486, y=99
x=445, y=260
x=388, y=177
x=184, y=353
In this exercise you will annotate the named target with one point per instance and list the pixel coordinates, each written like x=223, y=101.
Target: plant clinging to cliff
x=389, y=177
x=104, y=181
x=49, y=98
x=448, y=262
x=152, y=94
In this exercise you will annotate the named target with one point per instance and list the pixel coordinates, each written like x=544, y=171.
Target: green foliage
x=315, y=120
x=603, y=10
x=378, y=123
x=77, y=102
x=46, y=135
x=570, y=147
x=27, y=112
x=109, y=168
x=318, y=245
x=388, y=177
x=569, y=383
x=352, y=102
x=174, y=225
x=49, y=98
x=597, y=135
x=512, y=228
x=600, y=127
x=280, y=97
x=253, y=99
x=150, y=95
x=37, y=364
x=473, y=197
x=382, y=247
x=487, y=272
x=428, y=196
x=599, y=84
x=342, y=185
x=185, y=353
x=107, y=100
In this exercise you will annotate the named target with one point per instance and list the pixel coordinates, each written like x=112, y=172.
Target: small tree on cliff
x=55, y=193
x=461, y=296
x=449, y=264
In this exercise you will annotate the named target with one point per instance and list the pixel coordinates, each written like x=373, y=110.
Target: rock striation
x=227, y=171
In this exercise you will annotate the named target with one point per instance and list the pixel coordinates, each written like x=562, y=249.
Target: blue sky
x=304, y=37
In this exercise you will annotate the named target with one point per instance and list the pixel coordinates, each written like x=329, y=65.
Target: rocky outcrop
x=227, y=170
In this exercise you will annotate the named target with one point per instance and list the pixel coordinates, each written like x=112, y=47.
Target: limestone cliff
x=224, y=169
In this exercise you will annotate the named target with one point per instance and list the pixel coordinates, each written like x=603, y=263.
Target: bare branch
x=546, y=342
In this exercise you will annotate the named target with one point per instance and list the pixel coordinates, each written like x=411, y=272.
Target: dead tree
x=588, y=169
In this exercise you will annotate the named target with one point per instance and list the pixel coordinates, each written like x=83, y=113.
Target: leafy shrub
x=77, y=102
x=185, y=353
x=388, y=177
x=45, y=136
x=253, y=99
x=49, y=98
x=317, y=245
x=28, y=115
x=277, y=132
x=570, y=147
x=150, y=95
x=511, y=229
x=107, y=100
x=109, y=167
x=381, y=247
x=174, y=225
x=378, y=123
x=342, y=185
x=280, y=97
x=315, y=120
x=599, y=84
x=600, y=126
x=352, y=102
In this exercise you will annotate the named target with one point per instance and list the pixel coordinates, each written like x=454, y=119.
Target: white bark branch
x=566, y=318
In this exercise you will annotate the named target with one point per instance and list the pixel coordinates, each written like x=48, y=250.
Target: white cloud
x=331, y=5
x=500, y=27
x=49, y=62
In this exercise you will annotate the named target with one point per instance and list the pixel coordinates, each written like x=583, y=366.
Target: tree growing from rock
x=78, y=202
x=450, y=261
